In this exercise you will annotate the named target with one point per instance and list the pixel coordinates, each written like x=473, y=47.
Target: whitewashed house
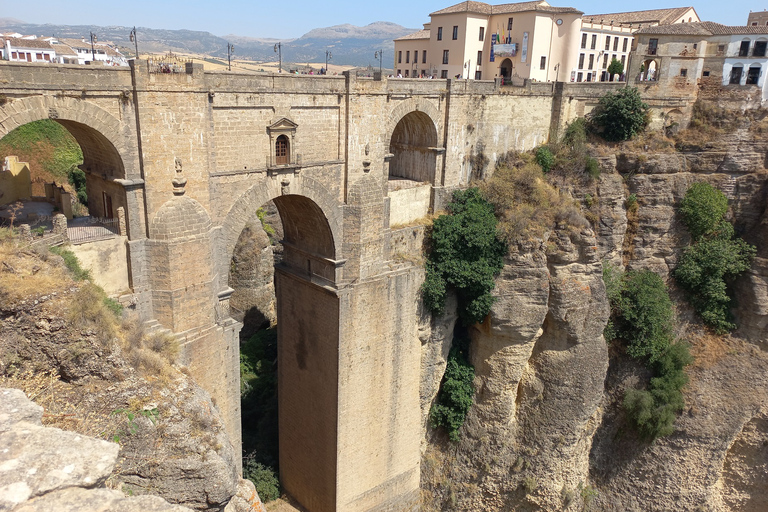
x=28, y=50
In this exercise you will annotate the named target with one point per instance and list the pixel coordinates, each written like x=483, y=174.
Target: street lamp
x=279, y=51
x=327, y=57
x=135, y=40
x=379, y=55
x=93, y=51
x=230, y=51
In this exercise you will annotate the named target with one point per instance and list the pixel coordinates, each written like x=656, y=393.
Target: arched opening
x=412, y=168
x=753, y=74
x=282, y=151
x=412, y=145
x=737, y=71
x=72, y=170
x=281, y=272
x=506, y=69
x=649, y=70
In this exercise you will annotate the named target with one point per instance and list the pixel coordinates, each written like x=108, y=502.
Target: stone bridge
x=192, y=156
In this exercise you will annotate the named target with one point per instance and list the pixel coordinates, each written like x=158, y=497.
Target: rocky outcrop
x=252, y=277
x=540, y=361
x=44, y=469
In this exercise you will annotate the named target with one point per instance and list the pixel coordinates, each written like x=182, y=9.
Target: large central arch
x=308, y=319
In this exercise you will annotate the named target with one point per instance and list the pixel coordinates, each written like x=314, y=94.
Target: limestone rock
x=75, y=499
x=246, y=499
x=612, y=226
x=17, y=408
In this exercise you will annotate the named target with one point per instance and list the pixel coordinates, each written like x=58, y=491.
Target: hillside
x=350, y=45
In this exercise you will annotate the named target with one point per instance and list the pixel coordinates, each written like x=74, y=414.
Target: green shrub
x=715, y=257
x=575, y=135
x=76, y=177
x=268, y=229
x=545, y=158
x=703, y=209
x=72, y=263
x=645, y=314
x=264, y=478
x=619, y=115
x=466, y=255
x=592, y=168
x=642, y=312
x=456, y=392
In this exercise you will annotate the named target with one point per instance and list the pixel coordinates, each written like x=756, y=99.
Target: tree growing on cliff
x=466, y=256
x=619, y=115
x=714, y=259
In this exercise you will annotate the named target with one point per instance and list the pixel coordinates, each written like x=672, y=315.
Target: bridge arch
x=99, y=133
x=311, y=216
x=413, y=135
x=414, y=105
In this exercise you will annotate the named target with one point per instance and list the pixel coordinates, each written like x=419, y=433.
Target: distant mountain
x=349, y=44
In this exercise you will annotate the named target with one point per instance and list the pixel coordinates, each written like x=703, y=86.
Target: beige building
x=527, y=40
x=481, y=41
x=15, y=181
x=758, y=19
x=605, y=37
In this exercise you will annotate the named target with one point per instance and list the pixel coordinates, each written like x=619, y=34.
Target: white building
x=28, y=50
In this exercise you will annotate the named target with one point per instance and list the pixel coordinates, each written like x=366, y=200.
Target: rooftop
x=704, y=28
x=653, y=16
x=489, y=10
x=29, y=43
x=421, y=34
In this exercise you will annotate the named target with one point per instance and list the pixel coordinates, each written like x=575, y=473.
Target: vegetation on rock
x=619, y=115
x=46, y=145
x=258, y=399
x=642, y=316
x=715, y=257
x=456, y=392
x=466, y=255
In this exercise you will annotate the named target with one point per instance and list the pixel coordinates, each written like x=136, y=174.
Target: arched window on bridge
x=282, y=151
x=282, y=142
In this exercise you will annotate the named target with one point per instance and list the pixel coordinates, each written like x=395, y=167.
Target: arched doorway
x=282, y=151
x=506, y=69
x=290, y=418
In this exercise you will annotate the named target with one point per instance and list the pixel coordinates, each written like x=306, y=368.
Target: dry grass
x=427, y=220
x=62, y=403
x=526, y=204
x=88, y=312
x=25, y=276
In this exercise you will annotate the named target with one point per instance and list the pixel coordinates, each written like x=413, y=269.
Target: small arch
x=282, y=150
x=650, y=70
x=753, y=74
x=505, y=70
x=412, y=144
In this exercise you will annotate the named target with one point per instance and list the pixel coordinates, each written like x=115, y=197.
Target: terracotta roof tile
x=421, y=34
x=660, y=16
x=30, y=43
x=704, y=28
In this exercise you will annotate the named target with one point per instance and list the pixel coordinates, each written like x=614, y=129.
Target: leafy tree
x=264, y=478
x=715, y=258
x=620, y=115
x=615, y=67
x=456, y=392
x=466, y=255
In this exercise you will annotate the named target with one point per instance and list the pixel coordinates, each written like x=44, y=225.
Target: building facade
x=733, y=56
x=527, y=40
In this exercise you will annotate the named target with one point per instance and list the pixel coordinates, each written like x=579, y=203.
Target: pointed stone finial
x=179, y=181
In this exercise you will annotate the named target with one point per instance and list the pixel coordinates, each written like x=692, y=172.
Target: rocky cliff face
x=546, y=431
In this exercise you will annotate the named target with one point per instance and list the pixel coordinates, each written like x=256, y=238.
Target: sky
x=282, y=19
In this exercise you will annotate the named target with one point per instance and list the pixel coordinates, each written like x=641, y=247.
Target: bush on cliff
x=619, y=115
x=641, y=315
x=456, y=392
x=714, y=259
x=466, y=255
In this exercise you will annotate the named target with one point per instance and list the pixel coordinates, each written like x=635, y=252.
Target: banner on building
x=524, y=50
x=505, y=50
